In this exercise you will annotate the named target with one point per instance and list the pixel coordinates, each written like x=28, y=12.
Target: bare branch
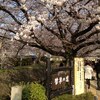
x=60, y=28
x=91, y=26
x=48, y=29
x=90, y=51
x=86, y=38
x=87, y=44
x=23, y=10
x=20, y=49
x=5, y=10
x=8, y=30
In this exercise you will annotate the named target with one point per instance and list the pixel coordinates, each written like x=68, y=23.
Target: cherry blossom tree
x=60, y=27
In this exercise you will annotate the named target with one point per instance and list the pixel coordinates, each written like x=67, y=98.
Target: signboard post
x=78, y=76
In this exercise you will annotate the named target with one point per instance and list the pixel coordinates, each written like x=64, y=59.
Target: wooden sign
x=60, y=80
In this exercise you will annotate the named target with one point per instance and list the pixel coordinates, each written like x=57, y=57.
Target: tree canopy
x=59, y=27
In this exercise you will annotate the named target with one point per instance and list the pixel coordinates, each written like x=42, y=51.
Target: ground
x=94, y=90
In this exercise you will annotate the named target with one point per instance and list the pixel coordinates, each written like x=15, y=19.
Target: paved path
x=94, y=90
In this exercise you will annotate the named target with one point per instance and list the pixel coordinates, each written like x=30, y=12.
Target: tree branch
x=5, y=10
x=90, y=51
x=20, y=49
x=91, y=26
x=8, y=30
x=23, y=10
x=59, y=25
x=86, y=38
x=48, y=29
x=86, y=44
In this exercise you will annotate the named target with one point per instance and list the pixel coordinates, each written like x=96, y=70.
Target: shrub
x=4, y=98
x=11, y=77
x=26, y=92
x=34, y=91
x=85, y=96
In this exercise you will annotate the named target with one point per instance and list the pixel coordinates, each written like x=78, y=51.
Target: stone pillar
x=16, y=93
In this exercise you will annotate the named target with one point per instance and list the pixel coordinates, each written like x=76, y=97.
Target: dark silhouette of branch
x=90, y=51
x=20, y=49
x=87, y=37
x=87, y=44
x=7, y=11
x=91, y=26
x=23, y=10
x=8, y=30
x=48, y=29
